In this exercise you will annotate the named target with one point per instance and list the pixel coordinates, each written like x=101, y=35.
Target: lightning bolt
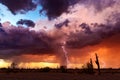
x=65, y=54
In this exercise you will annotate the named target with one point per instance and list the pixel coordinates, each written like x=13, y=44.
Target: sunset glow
x=4, y=64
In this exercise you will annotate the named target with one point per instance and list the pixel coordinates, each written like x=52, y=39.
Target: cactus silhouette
x=97, y=62
x=91, y=63
x=90, y=66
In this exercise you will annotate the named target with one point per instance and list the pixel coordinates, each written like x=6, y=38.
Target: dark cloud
x=86, y=28
x=21, y=6
x=102, y=31
x=28, y=23
x=19, y=41
x=54, y=8
x=0, y=25
x=1, y=29
x=64, y=23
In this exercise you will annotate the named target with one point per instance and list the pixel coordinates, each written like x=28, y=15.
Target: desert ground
x=57, y=76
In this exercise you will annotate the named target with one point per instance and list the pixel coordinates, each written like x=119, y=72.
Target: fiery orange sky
x=108, y=52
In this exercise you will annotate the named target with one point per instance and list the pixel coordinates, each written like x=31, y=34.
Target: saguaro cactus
x=97, y=62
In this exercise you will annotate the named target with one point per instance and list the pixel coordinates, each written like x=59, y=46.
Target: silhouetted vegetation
x=13, y=65
x=46, y=69
x=97, y=62
x=88, y=68
x=63, y=69
x=85, y=70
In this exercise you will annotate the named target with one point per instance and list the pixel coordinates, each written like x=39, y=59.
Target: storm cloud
x=89, y=37
x=54, y=8
x=19, y=6
x=28, y=23
x=59, y=25
x=18, y=40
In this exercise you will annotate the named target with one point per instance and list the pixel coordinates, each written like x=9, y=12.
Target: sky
x=51, y=33
x=31, y=15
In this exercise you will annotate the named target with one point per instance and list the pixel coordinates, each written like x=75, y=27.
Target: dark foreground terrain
x=52, y=75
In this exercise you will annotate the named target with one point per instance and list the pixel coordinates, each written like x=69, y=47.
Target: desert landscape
x=58, y=74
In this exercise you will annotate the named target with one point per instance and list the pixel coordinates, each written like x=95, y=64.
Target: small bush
x=46, y=69
x=63, y=69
